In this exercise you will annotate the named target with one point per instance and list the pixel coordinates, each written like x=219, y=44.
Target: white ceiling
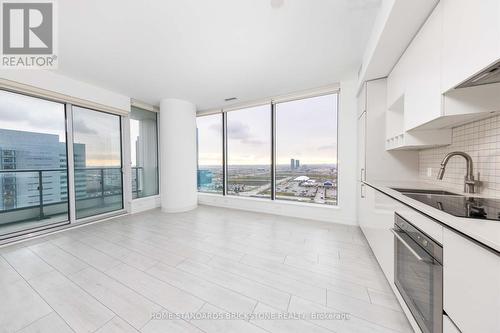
x=204, y=51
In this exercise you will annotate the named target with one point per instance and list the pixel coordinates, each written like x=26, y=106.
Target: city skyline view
x=313, y=121
x=306, y=151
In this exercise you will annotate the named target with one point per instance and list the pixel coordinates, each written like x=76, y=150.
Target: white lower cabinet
x=471, y=273
x=376, y=218
x=471, y=284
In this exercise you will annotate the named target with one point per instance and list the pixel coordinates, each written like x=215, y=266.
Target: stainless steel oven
x=418, y=274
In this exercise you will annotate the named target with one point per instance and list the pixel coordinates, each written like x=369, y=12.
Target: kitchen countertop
x=486, y=232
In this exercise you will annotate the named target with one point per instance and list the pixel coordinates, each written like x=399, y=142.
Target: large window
x=306, y=150
x=249, y=152
x=303, y=167
x=98, y=162
x=209, y=136
x=144, y=153
x=33, y=163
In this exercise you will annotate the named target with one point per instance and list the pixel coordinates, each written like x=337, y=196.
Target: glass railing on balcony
x=98, y=190
x=30, y=198
x=137, y=175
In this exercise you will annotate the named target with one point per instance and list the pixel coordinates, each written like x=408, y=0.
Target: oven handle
x=396, y=234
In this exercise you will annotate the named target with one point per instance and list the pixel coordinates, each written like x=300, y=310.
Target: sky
x=100, y=132
x=305, y=130
x=209, y=139
x=22, y=113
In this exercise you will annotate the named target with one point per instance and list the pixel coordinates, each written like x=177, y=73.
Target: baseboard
x=331, y=214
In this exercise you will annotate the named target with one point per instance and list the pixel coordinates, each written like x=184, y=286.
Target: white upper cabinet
x=459, y=39
x=362, y=100
x=416, y=78
x=396, y=82
x=423, y=97
x=471, y=38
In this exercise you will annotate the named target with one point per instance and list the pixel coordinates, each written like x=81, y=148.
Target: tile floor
x=130, y=274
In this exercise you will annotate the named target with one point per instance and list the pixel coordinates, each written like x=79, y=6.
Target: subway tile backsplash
x=481, y=140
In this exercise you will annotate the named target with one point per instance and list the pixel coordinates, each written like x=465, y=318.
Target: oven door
x=419, y=279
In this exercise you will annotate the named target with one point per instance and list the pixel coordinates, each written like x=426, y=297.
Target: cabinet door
x=396, y=81
x=471, y=278
x=423, y=99
x=361, y=147
x=471, y=38
x=376, y=216
x=362, y=100
x=362, y=202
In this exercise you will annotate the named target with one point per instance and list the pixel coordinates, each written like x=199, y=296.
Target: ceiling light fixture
x=277, y=3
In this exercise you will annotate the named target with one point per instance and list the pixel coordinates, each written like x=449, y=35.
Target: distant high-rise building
x=297, y=164
x=36, y=151
x=292, y=164
x=33, y=151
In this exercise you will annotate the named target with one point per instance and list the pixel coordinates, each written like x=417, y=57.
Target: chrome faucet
x=469, y=182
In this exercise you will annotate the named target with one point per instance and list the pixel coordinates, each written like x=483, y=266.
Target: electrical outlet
x=429, y=172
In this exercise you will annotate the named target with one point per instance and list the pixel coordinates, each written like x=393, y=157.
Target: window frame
x=157, y=115
x=272, y=102
x=124, y=187
x=69, y=103
x=226, y=144
x=223, y=149
x=11, y=235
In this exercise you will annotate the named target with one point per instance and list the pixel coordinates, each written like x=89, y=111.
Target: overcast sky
x=23, y=113
x=100, y=132
x=305, y=130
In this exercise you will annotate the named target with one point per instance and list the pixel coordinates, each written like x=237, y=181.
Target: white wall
x=147, y=203
x=345, y=212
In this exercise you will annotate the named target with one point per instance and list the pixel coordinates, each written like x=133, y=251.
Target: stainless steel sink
x=423, y=191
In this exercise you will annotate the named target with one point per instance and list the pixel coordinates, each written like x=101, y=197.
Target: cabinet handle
x=362, y=175
x=362, y=192
x=408, y=246
x=396, y=233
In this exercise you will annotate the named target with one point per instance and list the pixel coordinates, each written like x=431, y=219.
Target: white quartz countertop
x=486, y=232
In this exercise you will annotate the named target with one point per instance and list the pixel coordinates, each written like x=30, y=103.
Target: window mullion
x=224, y=153
x=70, y=163
x=273, y=151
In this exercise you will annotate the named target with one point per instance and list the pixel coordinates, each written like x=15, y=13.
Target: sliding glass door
x=33, y=164
x=97, y=162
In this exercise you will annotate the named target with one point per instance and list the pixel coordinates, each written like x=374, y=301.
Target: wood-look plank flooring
x=135, y=273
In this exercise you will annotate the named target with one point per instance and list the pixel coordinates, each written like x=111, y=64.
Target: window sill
x=227, y=198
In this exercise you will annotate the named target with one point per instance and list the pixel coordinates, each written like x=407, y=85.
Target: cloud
x=31, y=112
x=327, y=147
x=81, y=126
x=240, y=131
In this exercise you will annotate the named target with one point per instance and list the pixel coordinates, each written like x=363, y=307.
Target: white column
x=178, y=155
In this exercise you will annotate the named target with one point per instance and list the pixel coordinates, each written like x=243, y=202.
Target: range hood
x=489, y=75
